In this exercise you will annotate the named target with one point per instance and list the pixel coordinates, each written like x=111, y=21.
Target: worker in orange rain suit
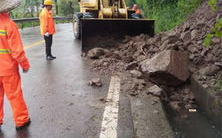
x=11, y=56
x=47, y=27
x=138, y=13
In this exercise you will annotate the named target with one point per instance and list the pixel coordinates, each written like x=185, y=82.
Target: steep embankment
x=205, y=63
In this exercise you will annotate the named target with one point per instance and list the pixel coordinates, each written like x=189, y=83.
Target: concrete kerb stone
x=207, y=101
x=149, y=120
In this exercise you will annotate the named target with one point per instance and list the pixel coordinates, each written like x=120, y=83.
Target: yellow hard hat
x=48, y=2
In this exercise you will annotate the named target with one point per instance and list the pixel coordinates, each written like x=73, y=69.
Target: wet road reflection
x=61, y=104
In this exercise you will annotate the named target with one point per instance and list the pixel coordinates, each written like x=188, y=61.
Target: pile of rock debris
x=165, y=62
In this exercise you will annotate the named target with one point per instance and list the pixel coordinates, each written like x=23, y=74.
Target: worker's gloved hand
x=46, y=34
x=25, y=70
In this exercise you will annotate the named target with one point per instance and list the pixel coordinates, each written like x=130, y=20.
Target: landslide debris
x=204, y=63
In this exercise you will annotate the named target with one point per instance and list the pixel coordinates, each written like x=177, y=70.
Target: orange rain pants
x=11, y=86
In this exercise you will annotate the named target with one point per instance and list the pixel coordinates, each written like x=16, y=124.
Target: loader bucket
x=107, y=32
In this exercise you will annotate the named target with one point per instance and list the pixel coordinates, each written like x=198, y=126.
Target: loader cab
x=88, y=5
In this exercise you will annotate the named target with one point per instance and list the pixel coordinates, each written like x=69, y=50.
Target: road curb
x=149, y=120
x=209, y=102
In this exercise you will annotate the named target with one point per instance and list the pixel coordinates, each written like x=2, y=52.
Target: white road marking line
x=110, y=115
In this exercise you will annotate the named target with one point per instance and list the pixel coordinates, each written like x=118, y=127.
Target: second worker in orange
x=47, y=27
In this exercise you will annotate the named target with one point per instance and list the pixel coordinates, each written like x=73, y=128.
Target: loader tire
x=76, y=25
x=136, y=16
x=87, y=15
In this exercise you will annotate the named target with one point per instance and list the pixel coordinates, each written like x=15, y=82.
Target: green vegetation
x=27, y=24
x=217, y=29
x=215, y=32
x=36, y=23
x=213, y=4
x=218, y=85
x=32, y=8
x=167, y=13
x=68, y=7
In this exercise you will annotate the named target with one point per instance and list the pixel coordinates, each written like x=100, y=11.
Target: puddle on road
x=187, y=124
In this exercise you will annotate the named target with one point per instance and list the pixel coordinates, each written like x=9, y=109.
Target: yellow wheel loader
x=103, y=23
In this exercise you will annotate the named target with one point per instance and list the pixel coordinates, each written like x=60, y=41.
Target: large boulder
x=168, y=68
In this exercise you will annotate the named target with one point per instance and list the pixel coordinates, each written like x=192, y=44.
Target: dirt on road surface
x=204, y=62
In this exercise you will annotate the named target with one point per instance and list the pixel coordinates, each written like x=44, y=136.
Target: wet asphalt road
x=60, y=102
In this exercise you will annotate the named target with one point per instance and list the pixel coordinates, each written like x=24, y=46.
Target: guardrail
x=37, y=19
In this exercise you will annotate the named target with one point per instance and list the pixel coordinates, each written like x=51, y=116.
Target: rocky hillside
x=204, y=63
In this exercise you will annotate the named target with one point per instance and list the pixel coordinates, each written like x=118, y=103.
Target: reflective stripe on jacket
x=46, y=22
x=3, y=32
x=11, y=47
x=5, y=51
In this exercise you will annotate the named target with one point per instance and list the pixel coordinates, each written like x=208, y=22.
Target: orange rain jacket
x=138, y=12
x=11, y=47
x=46, y=22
